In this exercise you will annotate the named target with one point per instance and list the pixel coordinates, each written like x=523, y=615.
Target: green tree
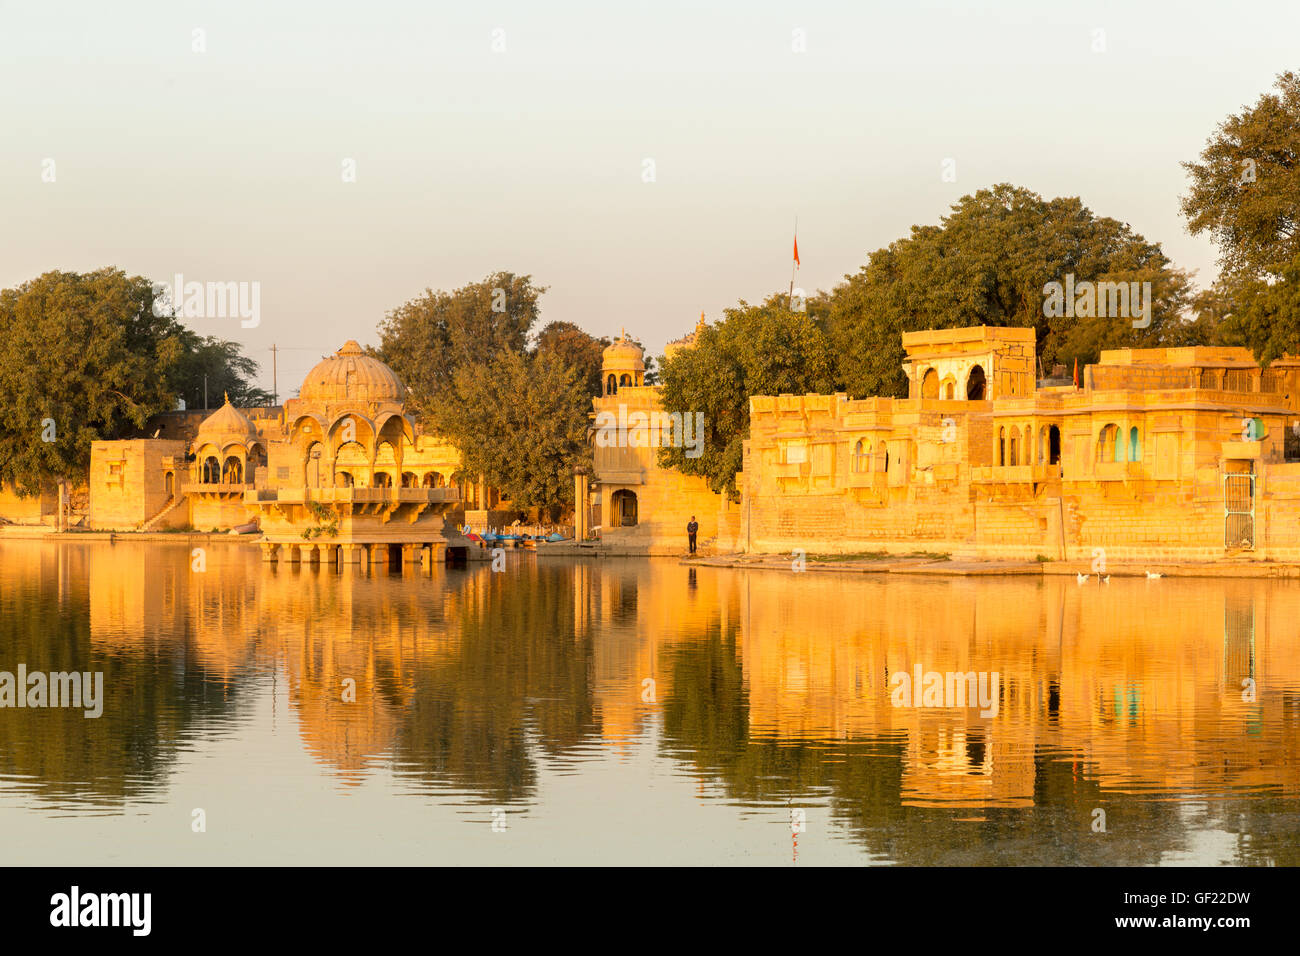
x=82, y=358
x=1245, y=191
x=522, y=422
x=1265, y=316
x=221, y=366
x=428, y=339
x=576, y=349
x=988, y=263
x=755, y=350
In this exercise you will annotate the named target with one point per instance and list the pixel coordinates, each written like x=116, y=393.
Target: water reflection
x=1171, y=705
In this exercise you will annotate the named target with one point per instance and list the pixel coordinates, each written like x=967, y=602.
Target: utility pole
x=275, y=388
x=205, y=393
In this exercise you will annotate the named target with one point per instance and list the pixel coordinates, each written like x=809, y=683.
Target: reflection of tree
x=154, y=695
x=520, y=668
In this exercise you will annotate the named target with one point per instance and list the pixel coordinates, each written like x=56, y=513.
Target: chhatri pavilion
x=342, y=473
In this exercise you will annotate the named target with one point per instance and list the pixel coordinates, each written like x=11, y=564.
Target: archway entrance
x=623, y=506
x=976, y=387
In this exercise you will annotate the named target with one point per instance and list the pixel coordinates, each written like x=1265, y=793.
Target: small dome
x=227, y=424
x=623, y=354
x=351, y=375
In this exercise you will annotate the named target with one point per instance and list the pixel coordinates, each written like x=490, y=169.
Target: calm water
x=637, y=711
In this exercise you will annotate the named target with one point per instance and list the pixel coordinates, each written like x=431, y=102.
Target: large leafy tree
x=755, y=350
x=519, y=418
x=1245, y=193
x=576, y=349
x=82, y=358
x=1245, y=190
x=428, y=339
x=221, y=366
x=521, y=421
x=987, y=263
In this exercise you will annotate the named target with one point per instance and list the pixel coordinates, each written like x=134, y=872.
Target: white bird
x=1081, y=578
x=1152, y=575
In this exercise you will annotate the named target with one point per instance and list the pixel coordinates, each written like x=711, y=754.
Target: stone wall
x=128, y=481
x=827, y=474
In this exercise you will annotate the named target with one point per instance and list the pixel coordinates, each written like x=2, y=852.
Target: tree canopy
x=84, y=358
x=521, y=421
x=426, y=340
x=518, y=417
x=222, y=366
x=988, y=263
x=1245, y=194
x=576, y=349
x=755, y=350
x=1245, y=190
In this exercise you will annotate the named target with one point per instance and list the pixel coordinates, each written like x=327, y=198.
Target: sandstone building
x=339, y=472
x=1187, y=452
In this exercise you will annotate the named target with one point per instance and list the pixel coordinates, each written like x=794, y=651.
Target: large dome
x=351, y=375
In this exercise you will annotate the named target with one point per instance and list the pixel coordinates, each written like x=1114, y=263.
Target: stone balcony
x=1118, y=470
x=350, y=496
x=1243, y=450
x=865, y=479
x=1008, y=474
x=791, y=469
x=214, y=489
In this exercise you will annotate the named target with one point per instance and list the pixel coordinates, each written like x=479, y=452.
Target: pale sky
x=226, y=164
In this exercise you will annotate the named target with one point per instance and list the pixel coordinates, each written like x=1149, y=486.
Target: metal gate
x=1238, y=511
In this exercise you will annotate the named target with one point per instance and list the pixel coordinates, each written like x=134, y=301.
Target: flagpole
x=794, y=264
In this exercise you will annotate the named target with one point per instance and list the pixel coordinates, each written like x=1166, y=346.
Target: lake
x=638, y=711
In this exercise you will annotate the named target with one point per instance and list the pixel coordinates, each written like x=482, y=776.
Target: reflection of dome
x=623, y=354
x=350, y=374
x=225, y=425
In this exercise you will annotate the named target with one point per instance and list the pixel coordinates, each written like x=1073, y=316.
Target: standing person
x=691, y=530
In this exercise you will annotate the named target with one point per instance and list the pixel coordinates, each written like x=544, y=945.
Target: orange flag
x=796, y=250
x=1076, y=371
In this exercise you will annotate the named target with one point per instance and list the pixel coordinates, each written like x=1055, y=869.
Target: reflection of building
x=340, y=468
x=1160, y=452
x=1132, y=687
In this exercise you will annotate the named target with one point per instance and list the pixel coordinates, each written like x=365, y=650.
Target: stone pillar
x=437, y=553
x=409, y=558
x=268, y=551
x=378, y=554
x=328, y=556
x=291, y=552
x=581, y=505
x=351, y=553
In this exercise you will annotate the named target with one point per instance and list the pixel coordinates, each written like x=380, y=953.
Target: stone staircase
x=175, y=502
